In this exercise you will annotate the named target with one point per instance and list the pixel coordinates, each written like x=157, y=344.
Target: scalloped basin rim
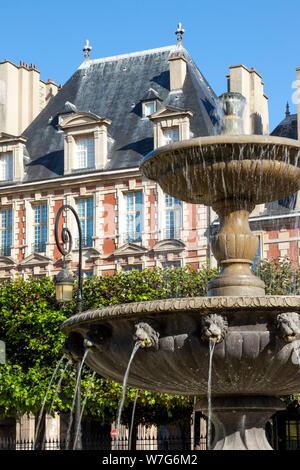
x=224, y=139
x=204, y=305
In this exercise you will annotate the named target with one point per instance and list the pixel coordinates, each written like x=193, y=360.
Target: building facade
x=84, y=149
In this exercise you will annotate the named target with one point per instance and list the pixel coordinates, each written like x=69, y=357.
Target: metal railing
x=172, y=232
x=106, y=443
x=85, y=242
x=132, y=237
x=39, y=247
x=5, y=250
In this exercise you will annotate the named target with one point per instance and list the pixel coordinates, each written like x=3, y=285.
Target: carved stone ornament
x=288, y=326
x=214, y=328
x=145, y=333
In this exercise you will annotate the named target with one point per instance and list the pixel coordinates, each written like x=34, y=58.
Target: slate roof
x=287, y=127
x=114, y=88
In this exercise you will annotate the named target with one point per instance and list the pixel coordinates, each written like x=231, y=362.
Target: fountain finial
x=179, y=32
x=233, y=106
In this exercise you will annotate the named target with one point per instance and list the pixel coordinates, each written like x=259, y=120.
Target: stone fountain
x=256, y=337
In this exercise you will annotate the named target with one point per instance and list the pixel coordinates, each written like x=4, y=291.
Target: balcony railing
x=132, y=237
x=85, y=242
x=39, y=247
x=184, y=443
x=5, y=250
x=172, y=232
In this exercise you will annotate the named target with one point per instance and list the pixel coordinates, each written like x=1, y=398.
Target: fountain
x=256, y=337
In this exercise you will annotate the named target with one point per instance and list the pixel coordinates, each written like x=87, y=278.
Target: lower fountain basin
x=252, y=357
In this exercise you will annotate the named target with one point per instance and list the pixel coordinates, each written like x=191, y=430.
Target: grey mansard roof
x=287, y=127
x=114, y=88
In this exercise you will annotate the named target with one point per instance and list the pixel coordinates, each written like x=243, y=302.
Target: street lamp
x=64, y=292
x=64, y=286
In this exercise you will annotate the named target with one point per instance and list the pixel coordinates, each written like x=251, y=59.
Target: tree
x=30, y=326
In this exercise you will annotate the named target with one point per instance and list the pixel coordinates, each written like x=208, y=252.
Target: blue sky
x=262, y=34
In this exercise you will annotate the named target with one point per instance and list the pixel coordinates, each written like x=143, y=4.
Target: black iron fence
x=104, y=443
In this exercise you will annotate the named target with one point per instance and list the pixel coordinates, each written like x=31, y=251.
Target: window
x=173, y=217
x=292, y=434
x=171, y=264
x=6, y=167
x=128, y=269
x=87, y=274
x=40, y=227
x=134, y=206
x=149, y=108
x=85, y=214
x=6, y=231
x=85, y=153
x=171, y=135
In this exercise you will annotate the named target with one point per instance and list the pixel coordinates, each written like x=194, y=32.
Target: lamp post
x=64, y=289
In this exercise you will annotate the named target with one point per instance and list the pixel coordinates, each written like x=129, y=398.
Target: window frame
x=176, y=209
x=78, y=152
x=133, y=213
x=40, y=246
x=145, y=104
x=8, y=229
x=87, y=240
x=170, y=140
x=7, y=166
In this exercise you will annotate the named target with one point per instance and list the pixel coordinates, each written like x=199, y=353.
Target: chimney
x=177, y=70
x=249, y=83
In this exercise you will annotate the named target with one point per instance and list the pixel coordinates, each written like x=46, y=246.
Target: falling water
x=55, y=394
x=74, y=398
x=82, y=409
x=211, y=352
x=132, y=419
x=135, y=349
x=44, y=402
x=297, y=355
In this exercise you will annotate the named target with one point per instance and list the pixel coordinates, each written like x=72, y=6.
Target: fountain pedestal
x=239, y=421
x=234, y=247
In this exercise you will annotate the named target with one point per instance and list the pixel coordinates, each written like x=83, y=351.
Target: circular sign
x=113, y=433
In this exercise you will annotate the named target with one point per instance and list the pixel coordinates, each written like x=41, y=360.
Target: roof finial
x=287, y=110
x=87, y=48
x=179, y=33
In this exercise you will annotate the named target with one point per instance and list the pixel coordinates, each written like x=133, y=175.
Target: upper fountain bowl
x=206, y=170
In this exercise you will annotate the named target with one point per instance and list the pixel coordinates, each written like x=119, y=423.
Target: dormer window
x=86, y=142
x=150, y=102
x=6, y=167
x=170, y=125
x=149, y=108
x=85, y=153
x=11, y=157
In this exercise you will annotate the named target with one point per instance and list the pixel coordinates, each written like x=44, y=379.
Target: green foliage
x=280, y=276
x=30, y=326
x=135, y=286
